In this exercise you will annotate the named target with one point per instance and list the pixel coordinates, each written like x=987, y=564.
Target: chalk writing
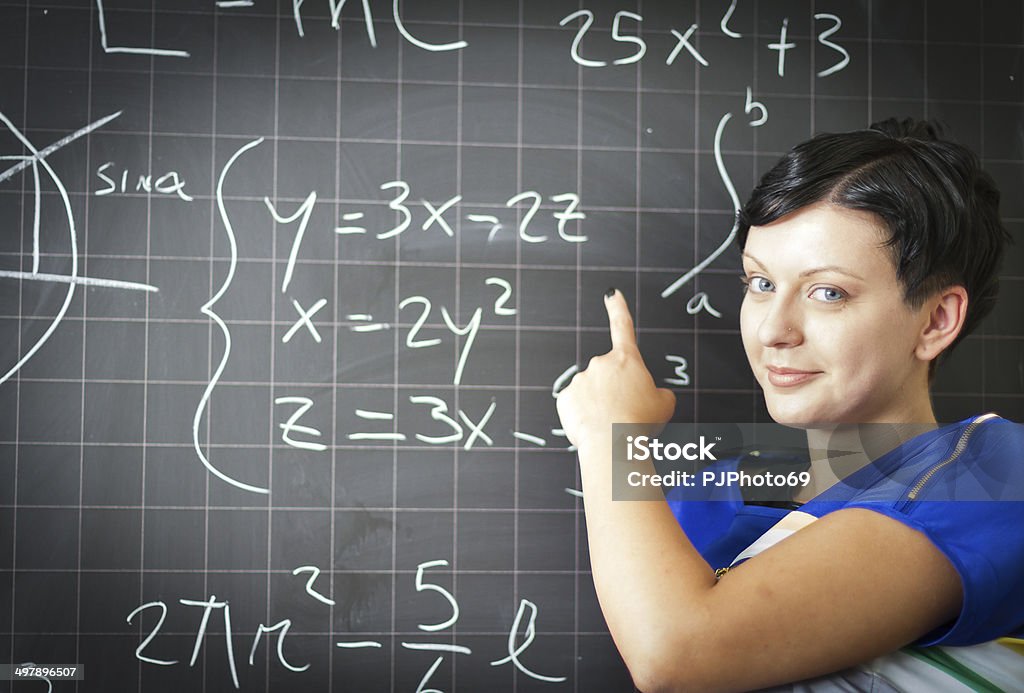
x=301, y=214
x=337, y=6
x=314, y=574
x=305, y=320
x=731, y=189
x=35, y=159
x=823, y=37
x=283, y=626
x=687, y=40
x=529, y=634
x=422, y=583
x=208, y=606
x=207, y=310
x=152, y=634
x=469, y=331
x=752, y=105
x=453, y=431
x=700, y=301
x=782, y=45
x=107, y=48
x=724, y=24
x=290, y=426
x=682, y=378
x=421, y=586
x=169, y=183
x=568, y=202
x=683, y=41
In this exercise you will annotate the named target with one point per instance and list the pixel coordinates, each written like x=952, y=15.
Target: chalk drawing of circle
x=38, y=161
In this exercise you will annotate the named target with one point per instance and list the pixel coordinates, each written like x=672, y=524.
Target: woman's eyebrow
x=809, y=272
x=813, y=270
x=831, y=268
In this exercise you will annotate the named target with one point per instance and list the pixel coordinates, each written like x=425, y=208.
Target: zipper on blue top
x=961, y=444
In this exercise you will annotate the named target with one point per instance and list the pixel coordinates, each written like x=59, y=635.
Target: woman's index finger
x=620, y=322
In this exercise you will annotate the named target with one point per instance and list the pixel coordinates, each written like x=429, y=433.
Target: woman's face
x=824, y=324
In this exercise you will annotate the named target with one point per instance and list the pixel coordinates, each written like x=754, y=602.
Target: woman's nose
x=781, y=326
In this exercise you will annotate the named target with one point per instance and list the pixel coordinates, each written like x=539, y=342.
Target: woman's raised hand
x=615, y=387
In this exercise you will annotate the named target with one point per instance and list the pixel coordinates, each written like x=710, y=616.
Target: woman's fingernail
x=609, y=293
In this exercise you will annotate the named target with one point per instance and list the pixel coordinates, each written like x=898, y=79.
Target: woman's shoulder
x=977, y=438
x=978, y=459
x=997, y=428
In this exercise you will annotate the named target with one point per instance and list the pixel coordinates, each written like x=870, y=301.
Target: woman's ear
x=947, y=310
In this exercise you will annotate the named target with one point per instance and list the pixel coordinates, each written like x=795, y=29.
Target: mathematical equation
x=632, y=41
x=528, y=202
x=683, y=40
x=470, y=430
x=513, y=654
x=305, y=437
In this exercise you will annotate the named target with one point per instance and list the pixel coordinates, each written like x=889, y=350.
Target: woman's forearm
x=649, y=578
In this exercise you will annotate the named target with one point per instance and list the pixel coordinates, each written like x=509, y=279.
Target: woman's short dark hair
x=940, y=208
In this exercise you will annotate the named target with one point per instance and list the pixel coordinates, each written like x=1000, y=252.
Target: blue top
x=961, y=485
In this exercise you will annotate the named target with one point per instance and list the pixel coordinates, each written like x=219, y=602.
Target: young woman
x=867, y=256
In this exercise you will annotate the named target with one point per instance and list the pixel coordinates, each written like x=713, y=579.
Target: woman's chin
x=795, y=417
x=794, y=423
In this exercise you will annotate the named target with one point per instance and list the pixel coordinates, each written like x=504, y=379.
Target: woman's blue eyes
x=759, y=285
x=828, y=294
x=755, y=284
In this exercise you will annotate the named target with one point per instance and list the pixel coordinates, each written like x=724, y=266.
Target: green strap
x=953, y=667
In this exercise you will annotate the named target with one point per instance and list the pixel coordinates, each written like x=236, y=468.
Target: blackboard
x=285, y=290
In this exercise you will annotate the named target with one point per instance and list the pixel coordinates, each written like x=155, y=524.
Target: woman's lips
x=789, y=377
